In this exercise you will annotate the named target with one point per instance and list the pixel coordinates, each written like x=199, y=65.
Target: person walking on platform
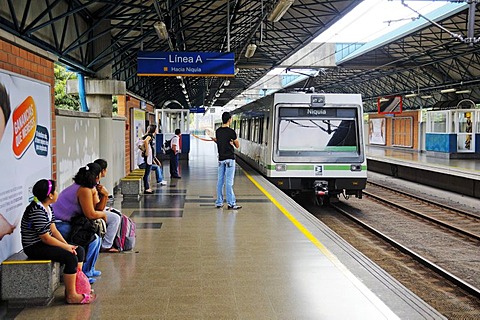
x=226, y=139
x=149, y=157
x=175, y=143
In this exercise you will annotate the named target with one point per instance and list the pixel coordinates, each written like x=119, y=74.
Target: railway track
x=451, y=218
x=433, y=250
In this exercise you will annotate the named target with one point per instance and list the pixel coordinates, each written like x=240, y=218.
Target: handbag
x=84, y=230
x=100, y=227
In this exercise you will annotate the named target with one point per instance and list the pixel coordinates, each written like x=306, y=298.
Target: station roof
x=75, y=31
x=101, y=39
x=422, y=58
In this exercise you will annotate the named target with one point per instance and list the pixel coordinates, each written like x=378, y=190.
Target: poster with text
x=25, y=151
x=137, y=132
x=376, y=131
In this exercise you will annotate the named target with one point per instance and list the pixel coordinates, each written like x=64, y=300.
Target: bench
x=29, y=282
x=132, y=184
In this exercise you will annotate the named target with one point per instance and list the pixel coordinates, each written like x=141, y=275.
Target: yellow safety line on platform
x=26, y=261
x=379, y=304
x=307, y=233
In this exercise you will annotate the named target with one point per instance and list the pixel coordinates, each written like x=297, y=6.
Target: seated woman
x=81, y=198
x=113, y=218
x=42, y=241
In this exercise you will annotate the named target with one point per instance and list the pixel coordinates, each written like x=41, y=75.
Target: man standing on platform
x=174, y=155
x=226, y=139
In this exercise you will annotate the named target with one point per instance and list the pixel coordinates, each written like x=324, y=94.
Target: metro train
x=305, y=141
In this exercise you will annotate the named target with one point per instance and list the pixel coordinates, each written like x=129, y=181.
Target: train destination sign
x=187, y=64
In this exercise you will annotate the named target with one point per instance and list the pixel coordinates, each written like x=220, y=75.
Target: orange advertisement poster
x=24, y=124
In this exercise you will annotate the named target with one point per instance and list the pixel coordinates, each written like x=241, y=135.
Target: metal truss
x=423, y=62
x=94, y=36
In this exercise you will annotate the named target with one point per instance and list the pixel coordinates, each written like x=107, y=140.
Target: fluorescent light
x=464, y=91
x=184, y=91
x=410, y=95
x=426, y=97
x=182, y=85
x=383, y=99
x=161, y=30
x=221, y=90
x=250, y=50
x=448, y=90
x=280, y=8
x=226, y=83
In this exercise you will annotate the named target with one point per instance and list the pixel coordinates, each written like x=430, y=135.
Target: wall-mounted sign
x=187, y=64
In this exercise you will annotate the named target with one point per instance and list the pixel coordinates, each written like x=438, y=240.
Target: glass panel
x=327, y=133
x=439, y=122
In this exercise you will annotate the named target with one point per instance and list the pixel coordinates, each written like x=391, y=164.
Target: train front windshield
x=328, y=134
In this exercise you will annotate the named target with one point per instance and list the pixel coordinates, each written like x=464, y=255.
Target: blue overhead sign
x=187, y=64
x=197, y=110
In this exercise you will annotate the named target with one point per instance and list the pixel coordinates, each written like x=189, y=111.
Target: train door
x=464, y=130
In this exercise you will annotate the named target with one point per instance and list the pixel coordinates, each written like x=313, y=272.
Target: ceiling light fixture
x=463, y=91
x=426, y=97
x=280, y=8
x=250, y=50
x=161, y=29
x=448, y=90
x=221, y=90
x=182, y=85
x=226, y=83
x=410, y=95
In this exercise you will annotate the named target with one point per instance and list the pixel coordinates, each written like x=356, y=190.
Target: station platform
x=269, y=260
x=461, y=176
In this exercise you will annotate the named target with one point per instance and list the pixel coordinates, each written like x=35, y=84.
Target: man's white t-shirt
x=176, y=141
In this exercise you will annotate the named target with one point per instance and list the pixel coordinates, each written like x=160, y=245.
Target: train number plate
x=318, y=170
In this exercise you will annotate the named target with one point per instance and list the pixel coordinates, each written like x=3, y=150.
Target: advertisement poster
x=25, y=151
x=138, y=130
x=376, y=131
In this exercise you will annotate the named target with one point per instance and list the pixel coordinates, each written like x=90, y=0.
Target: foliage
x=62, y=99
x=115, y=105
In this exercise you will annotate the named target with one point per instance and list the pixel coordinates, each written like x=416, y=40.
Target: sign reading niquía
x=193, y=64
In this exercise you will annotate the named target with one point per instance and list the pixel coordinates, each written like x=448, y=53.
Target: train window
x=255, y=130
x=249, y=129
x=327, y=134
x=260, y=130
x=242, y=129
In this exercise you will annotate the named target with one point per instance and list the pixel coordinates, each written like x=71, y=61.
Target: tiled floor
x=193, y=261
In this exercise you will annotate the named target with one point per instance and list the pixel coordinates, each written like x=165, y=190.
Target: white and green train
x=305, y=141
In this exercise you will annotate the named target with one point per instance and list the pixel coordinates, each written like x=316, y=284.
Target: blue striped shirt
x=35, y=222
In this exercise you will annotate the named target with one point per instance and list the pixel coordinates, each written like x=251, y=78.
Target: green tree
x=62, y=99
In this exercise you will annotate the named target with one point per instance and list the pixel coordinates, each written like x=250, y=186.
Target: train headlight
x=355, y=167
x=280, y=167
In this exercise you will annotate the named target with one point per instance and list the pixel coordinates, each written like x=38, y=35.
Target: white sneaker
x=163, y=183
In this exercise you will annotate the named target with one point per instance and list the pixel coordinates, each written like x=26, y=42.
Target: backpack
x=141, y=145
x=125, y=238
x=167, y=146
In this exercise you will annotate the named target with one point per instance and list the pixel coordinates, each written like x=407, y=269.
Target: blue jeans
x=174, y=164
x=158, y=171
x=226, y=173
x=92, y=251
